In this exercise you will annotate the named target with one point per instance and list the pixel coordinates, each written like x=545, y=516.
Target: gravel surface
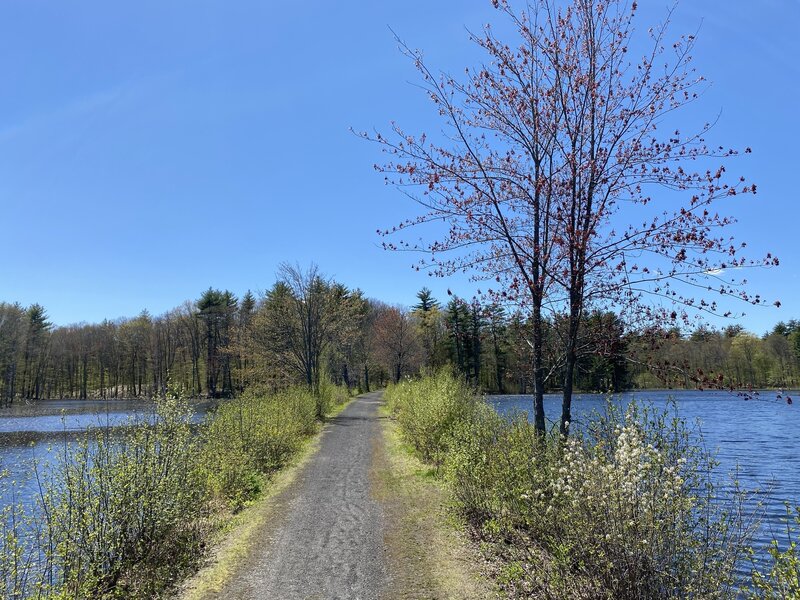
x=327, y=538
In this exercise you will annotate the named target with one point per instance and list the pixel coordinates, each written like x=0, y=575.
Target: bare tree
x=397, y=340
x=564, y=181
x=300, y=317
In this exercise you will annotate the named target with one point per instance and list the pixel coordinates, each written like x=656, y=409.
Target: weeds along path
x=325, y=541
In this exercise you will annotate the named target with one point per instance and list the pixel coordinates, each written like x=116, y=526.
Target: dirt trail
x=327, y=538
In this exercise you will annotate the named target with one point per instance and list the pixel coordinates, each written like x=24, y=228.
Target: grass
x=430, y=556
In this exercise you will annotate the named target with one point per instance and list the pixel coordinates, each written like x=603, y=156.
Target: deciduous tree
x=397, y=339
x=564, y=177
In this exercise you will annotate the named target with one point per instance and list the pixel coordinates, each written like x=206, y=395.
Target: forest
x=308, y=326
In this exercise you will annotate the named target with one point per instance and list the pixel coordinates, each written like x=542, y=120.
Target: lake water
x=29, y=429
x=761, y=436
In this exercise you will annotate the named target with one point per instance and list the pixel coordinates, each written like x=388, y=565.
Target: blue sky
x=149, y=150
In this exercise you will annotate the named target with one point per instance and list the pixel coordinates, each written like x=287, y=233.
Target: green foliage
x=305, y=318
x=331, y=396
x=251, y=437
x=783, y=578
x=429, y=410
x=217, y=310
x=628, y=510
x=123, y=502
x=14, y=557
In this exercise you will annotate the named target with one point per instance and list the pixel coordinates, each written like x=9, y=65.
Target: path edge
x=427, y=543
x=238, y=537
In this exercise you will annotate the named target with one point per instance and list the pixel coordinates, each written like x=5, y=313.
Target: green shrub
x=330, y=397
x=251, y=437
x=16, y=558
x=493, y=465
x=429, y=410
x=626, y=510
x=782, y=581
x=122, y=503
x=125, y=512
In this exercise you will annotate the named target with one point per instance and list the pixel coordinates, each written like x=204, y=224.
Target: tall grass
x=127, y=512
x=626, y=509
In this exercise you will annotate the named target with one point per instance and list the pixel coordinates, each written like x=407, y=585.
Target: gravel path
x=329, y=541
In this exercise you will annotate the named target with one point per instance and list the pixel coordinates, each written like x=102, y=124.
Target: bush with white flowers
x=627, y=508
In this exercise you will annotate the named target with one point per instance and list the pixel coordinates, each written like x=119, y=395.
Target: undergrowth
x=127, y=512
x=628, y=507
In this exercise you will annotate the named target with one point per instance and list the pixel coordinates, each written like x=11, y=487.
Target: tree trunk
x=346, y=376
x=538, y=370
x=571, y=359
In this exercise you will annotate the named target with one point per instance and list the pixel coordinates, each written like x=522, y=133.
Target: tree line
x=729, y=358
x=490, y=346
x=304, y=328
x=307, y=327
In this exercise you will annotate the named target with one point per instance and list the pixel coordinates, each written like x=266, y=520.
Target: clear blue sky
x=151, y=149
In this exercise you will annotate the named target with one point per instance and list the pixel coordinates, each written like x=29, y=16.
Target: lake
x=759, y=435
x=29, y=429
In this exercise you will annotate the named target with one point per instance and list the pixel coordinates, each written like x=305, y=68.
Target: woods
x=305, y=329
x=219, y=345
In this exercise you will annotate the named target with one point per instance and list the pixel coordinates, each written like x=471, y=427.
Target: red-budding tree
x=562, y=177
x=394, y=331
